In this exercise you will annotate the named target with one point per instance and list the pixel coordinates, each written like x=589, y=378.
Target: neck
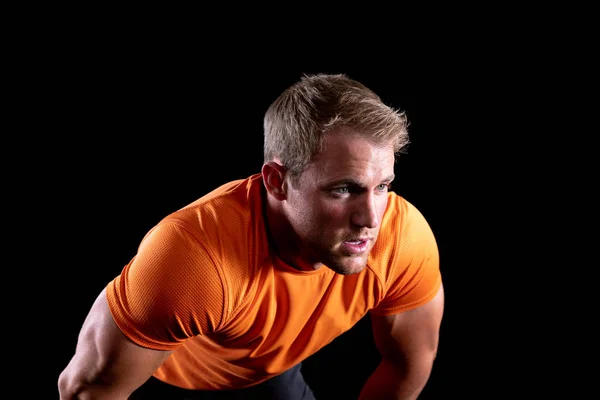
x=282, y=238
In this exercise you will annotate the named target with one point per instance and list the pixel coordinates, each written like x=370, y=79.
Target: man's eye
x=385, y=186
x=341, y=190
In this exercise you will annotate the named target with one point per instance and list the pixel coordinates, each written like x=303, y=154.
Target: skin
x=341, y=197
x=332, y=215
x=408, y=344
x=106, y=364
x=331, y=218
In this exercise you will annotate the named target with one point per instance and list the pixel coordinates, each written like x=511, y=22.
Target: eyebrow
x=354, y=182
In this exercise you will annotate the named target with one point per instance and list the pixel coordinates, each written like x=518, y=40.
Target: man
x=228, y=295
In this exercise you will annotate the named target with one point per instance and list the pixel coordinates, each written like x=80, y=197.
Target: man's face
x=337, y=206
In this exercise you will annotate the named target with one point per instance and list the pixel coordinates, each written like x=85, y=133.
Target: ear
x=273, y=175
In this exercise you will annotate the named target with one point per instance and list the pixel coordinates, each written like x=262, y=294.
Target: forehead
x=346, y=154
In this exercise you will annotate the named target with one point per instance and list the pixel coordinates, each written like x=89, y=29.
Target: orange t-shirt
x=205, y=284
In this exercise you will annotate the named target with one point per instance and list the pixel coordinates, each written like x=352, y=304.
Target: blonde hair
x=296, y=122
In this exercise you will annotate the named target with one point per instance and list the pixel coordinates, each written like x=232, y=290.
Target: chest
x=306, y=311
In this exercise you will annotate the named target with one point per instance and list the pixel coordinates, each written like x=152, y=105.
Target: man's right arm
x=106, y=364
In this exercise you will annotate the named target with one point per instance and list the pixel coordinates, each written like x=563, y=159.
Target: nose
x=365, y=214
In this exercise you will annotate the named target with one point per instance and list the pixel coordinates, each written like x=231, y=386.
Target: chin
x=349, y=265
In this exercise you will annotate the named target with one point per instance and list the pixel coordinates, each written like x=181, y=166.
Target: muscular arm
x=408, y=345
x=106, y=365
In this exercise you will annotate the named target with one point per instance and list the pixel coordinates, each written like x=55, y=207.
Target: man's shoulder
x=226, y=225
x=238, y=190
x=401, y=224
x=236, y=200
x=398, y=213
x=224, y=221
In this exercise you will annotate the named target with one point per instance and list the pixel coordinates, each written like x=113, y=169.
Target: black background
x=143, y=132
x=122, y=127
x=156, y=134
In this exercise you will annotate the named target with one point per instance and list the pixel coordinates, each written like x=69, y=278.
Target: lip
x=356, y=246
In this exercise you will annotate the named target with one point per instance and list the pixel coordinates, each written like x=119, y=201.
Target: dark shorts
x=288, y=386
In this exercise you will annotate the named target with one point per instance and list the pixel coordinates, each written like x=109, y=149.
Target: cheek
x=333, y=213
x=314, y=213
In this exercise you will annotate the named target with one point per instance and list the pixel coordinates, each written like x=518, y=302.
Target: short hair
x=297, y=121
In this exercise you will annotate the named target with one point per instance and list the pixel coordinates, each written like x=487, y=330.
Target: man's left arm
x=408, y=343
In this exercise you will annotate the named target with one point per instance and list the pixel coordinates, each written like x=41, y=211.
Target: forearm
x=85, y=381
x=395, y=382
x=90, y=393
x=71, y=388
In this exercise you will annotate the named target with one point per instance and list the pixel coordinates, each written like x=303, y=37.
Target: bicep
x=106, y=362
x=410, y=337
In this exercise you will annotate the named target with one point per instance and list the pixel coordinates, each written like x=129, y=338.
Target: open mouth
x=356, y=246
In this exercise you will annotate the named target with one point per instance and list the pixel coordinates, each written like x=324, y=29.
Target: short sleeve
x=414, y=269
x=170, y=291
